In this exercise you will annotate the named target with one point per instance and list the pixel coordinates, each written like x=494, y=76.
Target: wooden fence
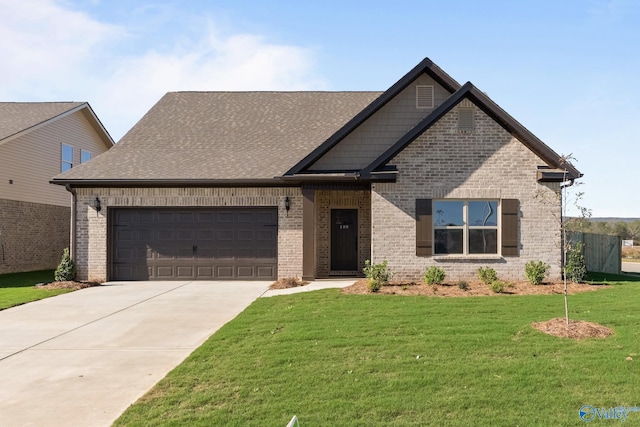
x=602, y=252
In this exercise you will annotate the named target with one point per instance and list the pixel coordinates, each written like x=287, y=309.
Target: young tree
x=568, y=197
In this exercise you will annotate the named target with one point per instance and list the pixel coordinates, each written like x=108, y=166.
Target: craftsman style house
x=265, y=185
x=38, y=140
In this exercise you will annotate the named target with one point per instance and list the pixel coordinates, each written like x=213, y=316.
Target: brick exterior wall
x=341, y=199
x=32, y=235
x=91, y=229
x=487, y=163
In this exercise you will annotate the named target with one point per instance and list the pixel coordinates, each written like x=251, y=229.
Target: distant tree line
x=626, y=230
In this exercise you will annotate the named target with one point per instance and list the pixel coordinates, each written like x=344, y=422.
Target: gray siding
x=381, y=130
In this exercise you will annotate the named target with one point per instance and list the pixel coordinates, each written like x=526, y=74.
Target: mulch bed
x=577, y=329
x=474, y=289
x=288, y=282
x=71, y=285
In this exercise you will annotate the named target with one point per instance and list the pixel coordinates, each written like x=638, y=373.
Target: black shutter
x=424, y=218
x=510, y=208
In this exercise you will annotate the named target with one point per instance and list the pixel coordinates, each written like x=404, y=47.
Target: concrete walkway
x=82, y=358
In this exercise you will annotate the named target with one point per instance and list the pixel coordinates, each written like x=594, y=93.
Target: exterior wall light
x=287, y=205
x=96, y=205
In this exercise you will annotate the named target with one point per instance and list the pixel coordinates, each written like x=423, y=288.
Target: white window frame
x=82, y=154
x=63, y=160
x=465, y=227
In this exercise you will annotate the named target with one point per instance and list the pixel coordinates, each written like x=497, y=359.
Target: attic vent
x=466, y=120
x=424, y=96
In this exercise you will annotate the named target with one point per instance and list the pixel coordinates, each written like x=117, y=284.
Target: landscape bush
x=377, y=274
x=66, y=269
x=576, y=268
x=536, y=271
x=464, y=285
x=498, y=286
x=434, y=275
x=487, y=274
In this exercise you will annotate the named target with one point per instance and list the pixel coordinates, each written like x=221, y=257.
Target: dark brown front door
x=344, y=239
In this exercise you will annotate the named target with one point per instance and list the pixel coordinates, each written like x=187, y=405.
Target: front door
x=344, y=240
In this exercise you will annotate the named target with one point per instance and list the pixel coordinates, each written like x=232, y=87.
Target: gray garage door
x=176, y=244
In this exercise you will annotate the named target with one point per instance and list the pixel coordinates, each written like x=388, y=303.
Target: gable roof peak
x=425, y=66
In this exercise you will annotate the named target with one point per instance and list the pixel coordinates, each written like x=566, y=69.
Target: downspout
x=72, y=238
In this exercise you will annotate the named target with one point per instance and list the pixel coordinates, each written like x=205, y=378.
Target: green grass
x=18, y=288
x=376, y=360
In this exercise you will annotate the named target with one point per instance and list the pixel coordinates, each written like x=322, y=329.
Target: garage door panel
x=205, y=272
x=224, y=272
x=245, y=272
x=244, y=235
x=164, y=272
x=194, y=243
x=265, y=272
x=185, y=272
x=224, y=235
x=204, y=235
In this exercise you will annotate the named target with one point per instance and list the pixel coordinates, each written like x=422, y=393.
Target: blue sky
x=566, y=69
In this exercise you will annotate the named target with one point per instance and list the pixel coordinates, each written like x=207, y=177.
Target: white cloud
x=61, y=54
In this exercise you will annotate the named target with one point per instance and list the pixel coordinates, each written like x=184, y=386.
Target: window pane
x=448, y=213
x=448, y=241
x=85, y=156
x=483, y=213
x=66, y=166
x=67, y=153
x=483, y=241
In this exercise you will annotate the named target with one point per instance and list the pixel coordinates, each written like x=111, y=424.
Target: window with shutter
x=466, y=227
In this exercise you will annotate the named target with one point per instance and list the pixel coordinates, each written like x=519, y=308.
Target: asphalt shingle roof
x=18, y=116
x=224, y=136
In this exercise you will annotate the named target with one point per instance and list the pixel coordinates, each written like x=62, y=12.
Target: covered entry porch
x=336, y=229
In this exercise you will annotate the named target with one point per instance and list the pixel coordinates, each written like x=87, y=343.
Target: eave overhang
x=171, y=183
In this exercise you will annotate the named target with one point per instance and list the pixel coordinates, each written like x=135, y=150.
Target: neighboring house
x=265, y=185
x=38, y=140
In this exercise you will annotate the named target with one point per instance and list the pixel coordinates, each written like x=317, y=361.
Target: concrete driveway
x=82, y=358
x=631, y=267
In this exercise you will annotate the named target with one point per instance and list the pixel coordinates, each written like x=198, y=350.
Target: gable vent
x=466, y=120
x=424, y=96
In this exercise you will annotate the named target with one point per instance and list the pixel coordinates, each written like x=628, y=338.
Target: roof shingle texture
x=18, y=116
x=224, y=135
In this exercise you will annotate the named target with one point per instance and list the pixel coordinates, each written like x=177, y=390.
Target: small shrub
x=66, y=270
x=576, y=268
x=464, y=285
x=498, y=286
x=373, y=285
x=378, y=274
x=536, y=271
x=487, y=274
x=434, y=275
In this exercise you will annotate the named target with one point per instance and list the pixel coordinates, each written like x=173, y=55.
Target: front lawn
x=18, y=288
x=377, y=360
